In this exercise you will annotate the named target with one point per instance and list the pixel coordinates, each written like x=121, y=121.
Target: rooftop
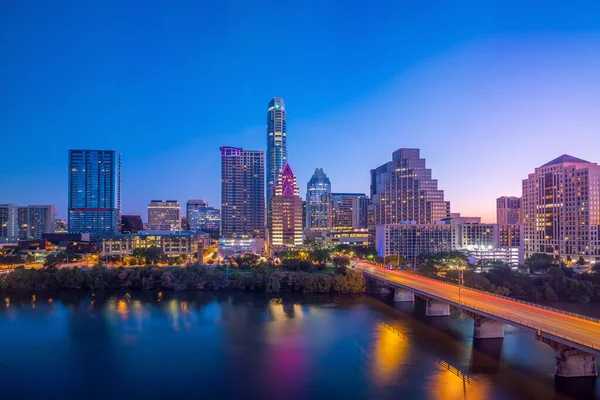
x=565, y=158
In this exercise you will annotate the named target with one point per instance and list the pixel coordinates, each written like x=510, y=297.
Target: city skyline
x=479, y=96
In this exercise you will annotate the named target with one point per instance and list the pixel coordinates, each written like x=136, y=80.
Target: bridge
x=574, y=338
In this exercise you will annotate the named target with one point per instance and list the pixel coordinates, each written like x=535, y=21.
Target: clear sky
x=487, y=92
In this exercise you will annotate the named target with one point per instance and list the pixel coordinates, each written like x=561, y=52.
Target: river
x=76, y=345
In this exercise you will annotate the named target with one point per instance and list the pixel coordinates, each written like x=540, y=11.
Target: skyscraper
x=286, y=212
x=508, y=210
x=9, y=227
x=242, y=193
x=94, y=191
x=402, y=190
x=276, y=146
x=561, y=210
x=164, y=215
x=318, y=201
x=34, y=221
x=345, y=210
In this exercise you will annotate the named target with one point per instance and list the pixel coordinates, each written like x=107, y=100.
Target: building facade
x=348, y=210
x=403, y=190
x=201, y=217
x=508, y=210
x=94, y=204
x=410, y=240
x=286, y=212
x=9, y=226
x=131, y=224
x=164, y=215
x=561, y=210
x=171, y=243
x=318, y=201
x=276, y=146
x=242, y=193
x=479, y=241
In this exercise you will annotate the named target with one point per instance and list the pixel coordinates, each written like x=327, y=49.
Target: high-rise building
x=276, y=146
x=286, y=212
x=201, y=217
x=303, y=214
x=242, y=193
x=164, y=215
x=9, y=226
x=318, y=201
x=348, y=210
x=34, y=221
x=508, y=210
x=94, y=191
x=403, y=190
x=561, y=210
x=131, y=224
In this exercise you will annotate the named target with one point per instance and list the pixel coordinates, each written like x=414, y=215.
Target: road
x=550, y=321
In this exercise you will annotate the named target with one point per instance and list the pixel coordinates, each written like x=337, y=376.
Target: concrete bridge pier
x=485, y=328
x=435, y=308
x=571, y=362
x=404, y=295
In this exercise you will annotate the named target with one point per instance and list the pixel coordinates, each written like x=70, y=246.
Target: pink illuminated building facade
x=286, y=212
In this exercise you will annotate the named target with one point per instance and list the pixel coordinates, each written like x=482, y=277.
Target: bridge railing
x=530, y=324
x=571, y=314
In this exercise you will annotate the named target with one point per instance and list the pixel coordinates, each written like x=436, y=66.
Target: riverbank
x=195, y=277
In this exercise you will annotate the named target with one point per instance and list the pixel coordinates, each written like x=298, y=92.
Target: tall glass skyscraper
x=276, y=147
x=318, y=201
x=242, y=193
x=94, y=191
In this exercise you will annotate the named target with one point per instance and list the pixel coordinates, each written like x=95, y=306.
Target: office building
x=34, y=221
x=318, y=201
x=508, y=210
x=9, y=226
x=242, y=193
x=561, y=210
x=25, y=223
x=164, y=215
x=348, y=210
x=201, y=217
x=276, y=146
x=403, y=190
x=227, y=248
x=131, y=224
x=172, y=244
x=94, y=204
x=410, y=240
x=286, y=212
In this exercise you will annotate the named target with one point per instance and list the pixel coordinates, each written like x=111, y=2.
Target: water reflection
x=119, y=344
x=390, y=353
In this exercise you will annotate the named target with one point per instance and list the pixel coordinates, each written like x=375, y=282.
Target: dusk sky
x=487, y=93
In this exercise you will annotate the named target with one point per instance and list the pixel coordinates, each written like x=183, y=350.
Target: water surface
x=241, y=345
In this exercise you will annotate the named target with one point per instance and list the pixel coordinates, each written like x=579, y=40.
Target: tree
x=52, y=261
x=248, y=261
x=154, y=254
x=340, y=263
x=540, y=262
x=596, y=268
x=320, y=256
x=395, y=261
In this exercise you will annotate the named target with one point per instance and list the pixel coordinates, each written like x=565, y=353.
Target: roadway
x=549, y=321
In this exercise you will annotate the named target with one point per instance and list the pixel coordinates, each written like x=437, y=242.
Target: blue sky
x=486, y=91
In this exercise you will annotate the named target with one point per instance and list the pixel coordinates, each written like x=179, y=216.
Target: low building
x=410, y=240
x=237, y=247
x=480, y=241
x=171, y=243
